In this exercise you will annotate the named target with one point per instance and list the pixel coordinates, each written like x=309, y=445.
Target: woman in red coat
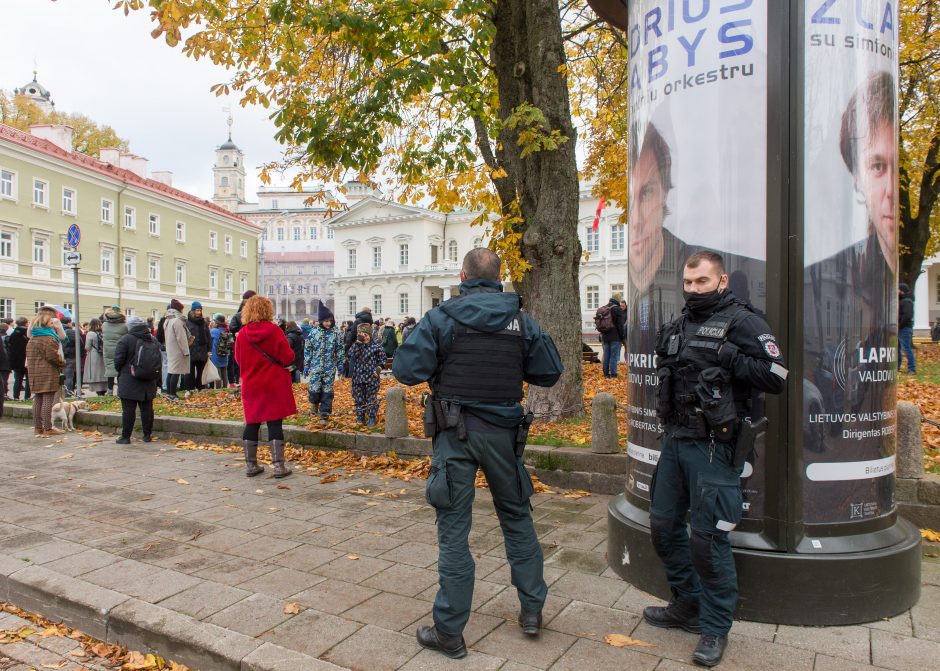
x=263, y=355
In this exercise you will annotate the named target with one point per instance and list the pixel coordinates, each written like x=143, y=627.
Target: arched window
x=226, y=159
x=452, y=250
x=223, y=181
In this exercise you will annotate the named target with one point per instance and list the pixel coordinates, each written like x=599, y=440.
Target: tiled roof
x=91, y=164
x=297, y=257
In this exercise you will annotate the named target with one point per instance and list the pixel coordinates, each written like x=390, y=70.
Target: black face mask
x=701, y=302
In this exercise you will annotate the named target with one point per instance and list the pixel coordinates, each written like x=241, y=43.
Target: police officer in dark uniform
x=476, y=350
x=710, y=361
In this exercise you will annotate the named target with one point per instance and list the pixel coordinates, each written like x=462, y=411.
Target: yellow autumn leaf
x=622, y=641
x=930, y=535
x=292, y=608
x=181, y=481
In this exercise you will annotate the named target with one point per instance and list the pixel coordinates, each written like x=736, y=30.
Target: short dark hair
x=713, y=258
x=877, y=95
x=653, y=141
x=481, y=264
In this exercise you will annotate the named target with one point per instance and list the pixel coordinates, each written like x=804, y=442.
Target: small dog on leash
x=64, y=411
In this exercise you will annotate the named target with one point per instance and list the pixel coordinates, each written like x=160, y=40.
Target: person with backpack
x=177, y=349
x=138, y=360
x=608, y=320
x=222, y=343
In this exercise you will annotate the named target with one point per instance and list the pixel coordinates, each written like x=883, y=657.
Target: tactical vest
x=482, y=366
x=699, y=350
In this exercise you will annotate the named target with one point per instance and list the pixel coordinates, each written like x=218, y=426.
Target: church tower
x=229, y=174
x=38, y=94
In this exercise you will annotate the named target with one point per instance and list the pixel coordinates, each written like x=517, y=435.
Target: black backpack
x=223, y=347
x=147, y=361
x=603, y=319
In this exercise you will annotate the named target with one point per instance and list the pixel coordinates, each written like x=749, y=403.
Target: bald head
x=481, y=264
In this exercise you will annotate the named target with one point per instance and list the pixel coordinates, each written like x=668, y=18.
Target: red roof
x=94, y=165
x=297, y=257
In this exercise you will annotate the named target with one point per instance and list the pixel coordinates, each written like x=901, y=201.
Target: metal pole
x=78, y=336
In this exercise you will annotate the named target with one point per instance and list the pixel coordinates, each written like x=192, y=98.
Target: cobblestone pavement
x=34, y=652
x=184, y=530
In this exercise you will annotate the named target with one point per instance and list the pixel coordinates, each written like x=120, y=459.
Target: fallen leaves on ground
x=291, y=608
x=930, y=535
x=622, y=641
x=115, y=656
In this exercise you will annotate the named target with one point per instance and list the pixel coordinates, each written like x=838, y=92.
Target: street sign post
x=74, y=235
x=72, y=258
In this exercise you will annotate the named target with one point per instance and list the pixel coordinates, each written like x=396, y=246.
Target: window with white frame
x=313, y=232
x=7, y=245
x=129, y=312
x=264, y=234
x=213, y=279
x=403, y=303
x=153, y=271
x=296, y=232
x=351, y=259
x=69, y=306
x=69, y=201
x=40, y=193
x=403, y=254
x=130, y=264
x=477, y=243
x=37, y=305
x=274, y=203
x=591, y=240
x=130, y=218
x=228, y=244
x=6, y=308
x=243, y=249
x=329, y=233
x=8, y=184
x=280, y=233
x=243, y=283
x=180, y=273
x=376, y=258
x=213, y=240
x=592, y=293
x=452, y=250
x=107, y=212
x=351, y=304
x=180, y=231
x=377, y=304
x=616, y=289
x=154, y=224
x=40, y=250
x=616, y=237
x=228, y=281
x=315, y=289
x=107, y=261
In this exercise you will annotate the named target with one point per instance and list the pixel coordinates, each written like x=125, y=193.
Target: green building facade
x=143, y=242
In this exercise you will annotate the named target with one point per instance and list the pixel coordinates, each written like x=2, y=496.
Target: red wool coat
x=266, y=387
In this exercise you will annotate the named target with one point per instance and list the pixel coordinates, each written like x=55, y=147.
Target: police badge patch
x=771, y=348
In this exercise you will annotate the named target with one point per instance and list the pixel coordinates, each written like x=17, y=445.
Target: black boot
x=530, y=622
x=251, y=458
x=277, y=458
x=710, y=649
x=452, y=646
x=678, y=614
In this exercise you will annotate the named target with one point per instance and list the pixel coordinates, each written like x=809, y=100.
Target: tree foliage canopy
x=88, y=137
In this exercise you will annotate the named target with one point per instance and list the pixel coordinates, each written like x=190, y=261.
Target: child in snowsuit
x=323, y=356
x=366, y=358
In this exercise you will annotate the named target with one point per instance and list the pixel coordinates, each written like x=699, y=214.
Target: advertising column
x=698, y=155
x=850, y=316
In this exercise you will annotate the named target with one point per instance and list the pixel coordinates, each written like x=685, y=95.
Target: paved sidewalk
x=152, y=545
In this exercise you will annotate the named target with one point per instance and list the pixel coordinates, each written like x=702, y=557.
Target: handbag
x=210, y=373
x=290, y=368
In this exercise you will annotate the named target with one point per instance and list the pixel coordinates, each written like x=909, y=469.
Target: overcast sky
x=98, y=62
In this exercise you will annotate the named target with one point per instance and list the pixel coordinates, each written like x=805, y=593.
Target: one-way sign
x=72, y=258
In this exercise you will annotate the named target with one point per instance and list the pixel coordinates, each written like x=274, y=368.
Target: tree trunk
x=915, y=227
x=527, y=53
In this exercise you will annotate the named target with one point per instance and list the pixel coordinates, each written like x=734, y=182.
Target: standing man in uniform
x=475, y=351
x=710, y=362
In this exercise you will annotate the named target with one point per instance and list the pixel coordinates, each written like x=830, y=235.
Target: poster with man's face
x=850, y=261
x=698, y=89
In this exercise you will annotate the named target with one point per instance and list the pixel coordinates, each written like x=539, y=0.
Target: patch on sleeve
x=779, y=371
x=772, y=349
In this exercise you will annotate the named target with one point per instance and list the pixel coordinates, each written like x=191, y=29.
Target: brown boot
x=251, y=458
x=277, y=456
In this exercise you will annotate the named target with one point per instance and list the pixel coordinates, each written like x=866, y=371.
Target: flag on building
x=597, y=214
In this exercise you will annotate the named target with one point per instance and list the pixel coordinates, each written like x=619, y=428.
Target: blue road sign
x=74, y=235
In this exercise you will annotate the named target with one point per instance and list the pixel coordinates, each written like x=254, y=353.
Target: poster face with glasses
x=698, y=154
x=850, y=298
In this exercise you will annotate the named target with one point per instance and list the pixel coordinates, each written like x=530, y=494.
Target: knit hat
x=323, y=313
x=364, y=328
x=116, y=308
x=248, y=294
x=175, y=305
x=197, y=305
x=133, y=321
x=218, y=317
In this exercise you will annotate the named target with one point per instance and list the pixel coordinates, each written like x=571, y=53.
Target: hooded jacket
x=202, y=340
x=266, y=389
x=176, y=337
x=350, y=336
x=113, y=328
x=131, y=387
x=16, y=346
x=906, y=309
x=483, y=306
x=616, y=316
x=295, y=338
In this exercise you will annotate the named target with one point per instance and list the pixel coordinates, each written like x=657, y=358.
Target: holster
x=448, y=415
x=522, y=434
x=751, y=437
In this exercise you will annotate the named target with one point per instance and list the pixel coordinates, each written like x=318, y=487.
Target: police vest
x=483, y=366
x=698, y=351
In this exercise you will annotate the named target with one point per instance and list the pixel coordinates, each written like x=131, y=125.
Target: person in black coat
x=200, y=346
x=295, y=337
x=16, y=348
x=134, y=391
x=612, y=339
x=4, y=372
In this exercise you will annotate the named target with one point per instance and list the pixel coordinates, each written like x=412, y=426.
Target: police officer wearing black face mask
x=709, y=361
x=476, y=350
